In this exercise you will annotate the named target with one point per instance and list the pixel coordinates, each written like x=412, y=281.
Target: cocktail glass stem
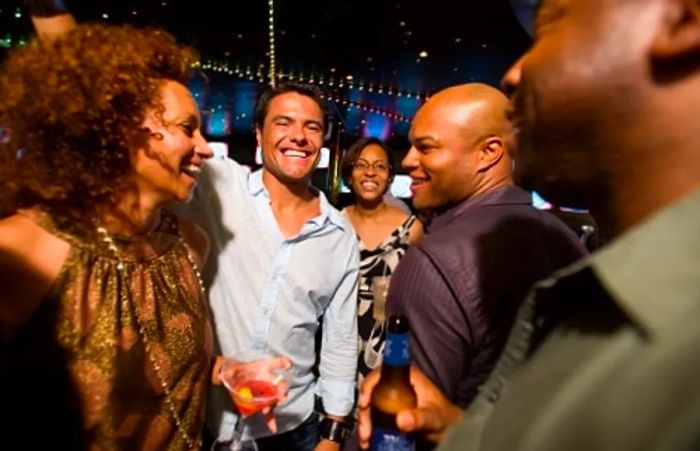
x=238, y=444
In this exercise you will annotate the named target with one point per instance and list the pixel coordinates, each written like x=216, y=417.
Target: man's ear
x=491, y=151
x=258, y=136
x=678, y=35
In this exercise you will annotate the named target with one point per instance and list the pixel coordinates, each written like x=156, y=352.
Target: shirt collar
x=256, y=185
x=328, y=214
x=651, y=272
x=506, y=195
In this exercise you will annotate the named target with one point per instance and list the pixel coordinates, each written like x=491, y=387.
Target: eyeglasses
x=363, y=165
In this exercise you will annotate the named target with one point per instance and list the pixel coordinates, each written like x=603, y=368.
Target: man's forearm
x=45, y=8
x=50, y=18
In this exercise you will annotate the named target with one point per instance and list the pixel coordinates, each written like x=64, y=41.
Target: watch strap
x=334, y=430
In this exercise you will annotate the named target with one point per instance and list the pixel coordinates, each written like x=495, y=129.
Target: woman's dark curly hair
x=71, y=109
x=354, y=152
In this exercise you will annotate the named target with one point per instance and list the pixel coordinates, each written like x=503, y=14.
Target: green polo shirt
x=606, y=354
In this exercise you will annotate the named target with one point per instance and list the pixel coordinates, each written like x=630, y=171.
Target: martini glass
x=256, y=386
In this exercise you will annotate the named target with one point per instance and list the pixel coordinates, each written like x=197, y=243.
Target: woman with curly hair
x=100, y=286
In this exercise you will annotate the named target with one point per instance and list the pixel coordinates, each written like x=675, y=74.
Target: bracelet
x=334, y=430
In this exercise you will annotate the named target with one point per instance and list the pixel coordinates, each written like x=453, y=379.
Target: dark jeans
x=303, y=438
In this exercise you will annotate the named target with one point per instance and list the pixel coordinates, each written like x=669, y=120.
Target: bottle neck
x=397, y=358
x=396, y=373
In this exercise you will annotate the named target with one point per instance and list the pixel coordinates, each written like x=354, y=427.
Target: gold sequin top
x=94, y=310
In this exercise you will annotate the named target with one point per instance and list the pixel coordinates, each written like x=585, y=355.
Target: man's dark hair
x=263, y=104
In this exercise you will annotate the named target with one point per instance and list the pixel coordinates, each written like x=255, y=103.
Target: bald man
x=461, y=285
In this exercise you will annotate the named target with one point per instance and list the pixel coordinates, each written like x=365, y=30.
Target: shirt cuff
x=338, y=397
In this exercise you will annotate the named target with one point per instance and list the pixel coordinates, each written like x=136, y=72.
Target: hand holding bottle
x=432, y=415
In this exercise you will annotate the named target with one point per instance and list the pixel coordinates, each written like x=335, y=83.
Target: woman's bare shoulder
x=397, y=215
x=30, y=259
x=22, y=235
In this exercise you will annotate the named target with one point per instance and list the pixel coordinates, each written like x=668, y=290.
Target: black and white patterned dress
x=376, y=262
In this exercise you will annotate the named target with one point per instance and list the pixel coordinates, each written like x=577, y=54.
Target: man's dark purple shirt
x=462, y=284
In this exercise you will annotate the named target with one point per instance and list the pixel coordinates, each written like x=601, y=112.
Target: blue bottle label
x=387, y=440
x=396, y=350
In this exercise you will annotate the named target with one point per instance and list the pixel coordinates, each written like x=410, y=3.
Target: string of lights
x=368, y=108
x=347, y=82
x=259, y=76
x=273, y=75
x=248, y=73
x=251, y=75
x=271, y=15
x=350, y=83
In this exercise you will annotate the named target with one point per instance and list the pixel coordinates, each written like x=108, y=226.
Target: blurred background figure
x=583, y=224
x=384, y=233
x=102, y=312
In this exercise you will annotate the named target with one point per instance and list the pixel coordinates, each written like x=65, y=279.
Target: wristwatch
x=334, y=430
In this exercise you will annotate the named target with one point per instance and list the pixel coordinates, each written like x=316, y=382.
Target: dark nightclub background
x=376, y=60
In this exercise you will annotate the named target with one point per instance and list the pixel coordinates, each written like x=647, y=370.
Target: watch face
x=335, y=430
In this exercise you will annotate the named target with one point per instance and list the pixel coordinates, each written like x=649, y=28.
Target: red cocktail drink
x=251, y=396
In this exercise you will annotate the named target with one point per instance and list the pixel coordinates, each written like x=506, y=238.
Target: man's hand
x=327, y=445
x=433, y=414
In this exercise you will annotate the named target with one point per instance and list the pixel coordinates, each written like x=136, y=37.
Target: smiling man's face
x=291, y=137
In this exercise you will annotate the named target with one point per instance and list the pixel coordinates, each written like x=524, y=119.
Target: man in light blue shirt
x=283, y=261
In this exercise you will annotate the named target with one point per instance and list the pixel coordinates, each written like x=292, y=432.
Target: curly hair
x=354, y=152
x=71, y=109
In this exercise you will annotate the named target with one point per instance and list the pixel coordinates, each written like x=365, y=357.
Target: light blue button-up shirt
x=268, y=293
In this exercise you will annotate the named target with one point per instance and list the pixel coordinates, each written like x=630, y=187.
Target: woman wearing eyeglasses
x=384, y=232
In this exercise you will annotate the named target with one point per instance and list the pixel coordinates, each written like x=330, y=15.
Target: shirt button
x=493, y=396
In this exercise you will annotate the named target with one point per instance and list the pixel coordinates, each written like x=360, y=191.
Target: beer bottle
x=394, y=391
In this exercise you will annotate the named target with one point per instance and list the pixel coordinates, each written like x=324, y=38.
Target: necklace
x=179, y=423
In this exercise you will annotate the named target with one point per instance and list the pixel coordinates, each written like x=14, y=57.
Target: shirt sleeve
x=215, y=175
x=218, y=179
x=440, y=343
x=338, y=365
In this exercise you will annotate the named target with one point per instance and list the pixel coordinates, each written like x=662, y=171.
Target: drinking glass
x=380, y=288
x=256, y=385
